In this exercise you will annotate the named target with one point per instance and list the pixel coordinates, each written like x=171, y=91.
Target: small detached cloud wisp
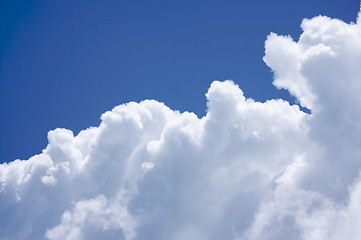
x=247, y=170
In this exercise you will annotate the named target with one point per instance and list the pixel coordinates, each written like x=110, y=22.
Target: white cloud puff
x=246, y=170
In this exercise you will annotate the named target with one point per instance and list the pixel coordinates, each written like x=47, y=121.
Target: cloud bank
x=246, y=170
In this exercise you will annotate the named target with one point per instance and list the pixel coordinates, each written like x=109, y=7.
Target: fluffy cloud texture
x=247, y=170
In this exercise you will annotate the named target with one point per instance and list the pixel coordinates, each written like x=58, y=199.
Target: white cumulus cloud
x=246, y=170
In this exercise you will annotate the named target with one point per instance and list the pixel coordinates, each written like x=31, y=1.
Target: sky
x=167, y=120
x=64, y=63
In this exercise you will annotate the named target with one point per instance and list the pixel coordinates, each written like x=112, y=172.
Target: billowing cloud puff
x=246, y=170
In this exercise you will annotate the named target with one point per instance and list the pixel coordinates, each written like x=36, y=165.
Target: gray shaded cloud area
x=247, y=170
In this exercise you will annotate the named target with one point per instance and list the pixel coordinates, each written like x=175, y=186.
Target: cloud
x=246, y=170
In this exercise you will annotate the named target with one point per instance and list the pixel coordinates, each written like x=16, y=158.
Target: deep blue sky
x=63, y=63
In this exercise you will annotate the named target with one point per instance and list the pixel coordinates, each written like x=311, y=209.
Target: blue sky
x=236, y=166
x=63, y=63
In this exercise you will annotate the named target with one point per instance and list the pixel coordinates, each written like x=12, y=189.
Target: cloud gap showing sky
x=246, y=170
